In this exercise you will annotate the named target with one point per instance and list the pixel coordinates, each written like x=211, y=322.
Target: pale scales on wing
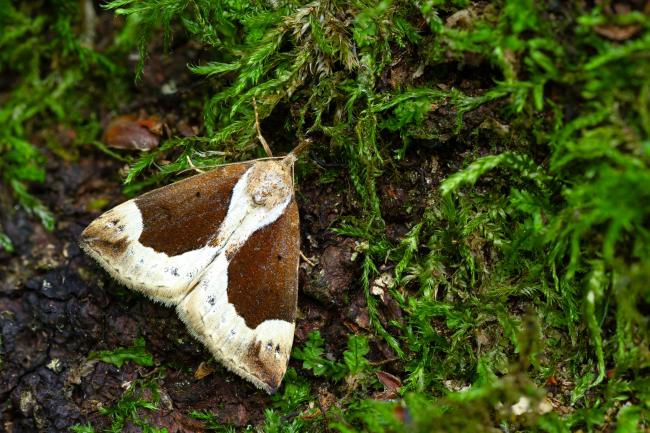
x=196, y=279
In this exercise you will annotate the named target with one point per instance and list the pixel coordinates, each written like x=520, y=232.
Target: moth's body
x=223, y=248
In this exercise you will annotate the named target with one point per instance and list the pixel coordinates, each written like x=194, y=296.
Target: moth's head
x=269, y=184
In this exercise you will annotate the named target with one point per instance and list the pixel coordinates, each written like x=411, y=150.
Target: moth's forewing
x=263, y=286
x=158, y=242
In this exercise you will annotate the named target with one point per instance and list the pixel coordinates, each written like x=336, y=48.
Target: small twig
x=384, y=361
x=89, y=16
x=265, y=145
x=148, y=374
x=312, y=264
x=192, y=166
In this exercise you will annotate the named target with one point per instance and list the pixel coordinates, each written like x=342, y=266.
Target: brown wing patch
x=263, y=274
x=271, y=375
x=106, y=242
x=184, y=216
x=114, y=248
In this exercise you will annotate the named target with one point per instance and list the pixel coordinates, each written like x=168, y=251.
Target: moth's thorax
x=269, y=184
x=258, y=199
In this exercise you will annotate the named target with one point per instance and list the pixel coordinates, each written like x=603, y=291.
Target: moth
x=223, y=248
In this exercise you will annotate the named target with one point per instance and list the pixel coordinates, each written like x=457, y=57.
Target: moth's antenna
x=292, y=157
x=304, y=144
x=265, y=145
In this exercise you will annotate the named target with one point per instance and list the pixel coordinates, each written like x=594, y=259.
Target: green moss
x=140, y=396
x=86, y=428
x=136, y=353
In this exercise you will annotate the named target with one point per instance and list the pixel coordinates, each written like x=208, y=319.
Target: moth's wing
x=159, y=242
x=244, y=308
